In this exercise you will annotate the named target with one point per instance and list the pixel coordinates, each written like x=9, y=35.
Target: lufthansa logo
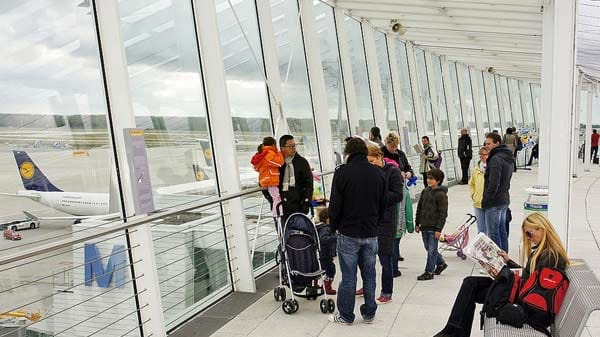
x=27, y=170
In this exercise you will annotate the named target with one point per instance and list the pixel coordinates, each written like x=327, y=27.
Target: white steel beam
x=546, y=96
x=346, y=65
x=501, y=103
x=523, y=87
x=435, y=101
x=559, y=197
x=374, y=75
x=462, y=91
x=225, y=155
x=453, y=130
x=416, y=90
x=477, y=104
x=508, y=5
x=577, y=88
x=114, y=64
x=317, y=86
x=588, y=130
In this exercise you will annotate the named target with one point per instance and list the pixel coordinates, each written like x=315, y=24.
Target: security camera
x=491, y=70
x=397, y=27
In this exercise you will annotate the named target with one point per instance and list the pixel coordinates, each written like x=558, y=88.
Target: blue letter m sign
x=95, y=269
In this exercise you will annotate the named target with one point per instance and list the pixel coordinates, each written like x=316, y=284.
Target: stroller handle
x=279, y=209
x=472, y=219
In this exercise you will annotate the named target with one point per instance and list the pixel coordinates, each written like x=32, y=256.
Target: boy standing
x=432, y=211
x=328, y=241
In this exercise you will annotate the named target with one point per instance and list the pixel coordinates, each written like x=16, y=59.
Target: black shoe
x=400, y=258
x=425, y=276
x=439, y=269
x=397, y=273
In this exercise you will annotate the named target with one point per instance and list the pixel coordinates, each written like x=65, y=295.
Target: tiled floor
x=421, y=308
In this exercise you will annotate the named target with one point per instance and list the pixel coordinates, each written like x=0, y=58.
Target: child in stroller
x=458, y=240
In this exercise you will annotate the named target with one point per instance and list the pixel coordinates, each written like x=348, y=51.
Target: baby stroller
x=299, y=264
x=458, y=240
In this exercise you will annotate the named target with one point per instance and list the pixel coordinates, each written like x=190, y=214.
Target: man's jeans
x=352, y=253
x=480, y=215
x=495, y=221
x=434, y=258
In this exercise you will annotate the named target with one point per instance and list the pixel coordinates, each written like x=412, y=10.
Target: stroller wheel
x=288, y=307
x=276, y=294
x=459, y=254
x=331, y=305
x=464, y=257
x=324, y=306
x=296, y=305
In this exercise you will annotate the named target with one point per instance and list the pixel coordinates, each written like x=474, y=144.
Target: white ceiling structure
x=505, y=35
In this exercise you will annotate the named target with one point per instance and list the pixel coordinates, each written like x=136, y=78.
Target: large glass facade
x=409, y=130
x=360, y=76
x=425, y=96
x=529, y=119
x=457, y=98
x=492, y=101
x=506, y=105
x=443, y=139
x=515, y=100
x=481, y=108
x=386, y=81
x=467, y=97
x=297, y=103
x=332, y=73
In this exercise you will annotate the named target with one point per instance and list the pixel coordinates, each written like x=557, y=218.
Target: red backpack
x=542, y=295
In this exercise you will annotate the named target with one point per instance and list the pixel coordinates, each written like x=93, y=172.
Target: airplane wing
x=28, y=196
x=72, y=217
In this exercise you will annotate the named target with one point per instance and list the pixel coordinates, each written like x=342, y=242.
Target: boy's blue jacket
x=328, y=241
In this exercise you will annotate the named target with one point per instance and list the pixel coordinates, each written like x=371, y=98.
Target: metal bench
x=583, y=298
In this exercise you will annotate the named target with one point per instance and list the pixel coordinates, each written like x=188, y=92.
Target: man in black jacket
x=356, y=208
x=295, y=179
x=465, y=153
x=496, y=197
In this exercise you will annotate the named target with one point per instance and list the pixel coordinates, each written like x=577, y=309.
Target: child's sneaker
x=383, y=299
x=439, y=269
x=369, y=320
x=337, y=319
x=425, y=276
x=359, y=292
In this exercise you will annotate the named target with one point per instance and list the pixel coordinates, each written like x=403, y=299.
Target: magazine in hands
x=418, y=148
x=483, y=250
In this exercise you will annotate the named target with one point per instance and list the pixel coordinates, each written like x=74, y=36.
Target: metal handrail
x=42, y=249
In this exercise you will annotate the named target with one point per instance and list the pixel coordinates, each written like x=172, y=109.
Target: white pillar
x=576, y=117
x=114, y=64
x=501, y=104
x=317, y=86
x=225, y=158
x=545, y=115
x=435, y=100
x=447, y=79
x=475, y=89
x=271, y=62
x=523, y=87
x=416, y=90
x=559, y=186
x=346, y=65
x=379, y=111
x=463, y=95
x=392, y=44
x=536, y=110
x=588, y=129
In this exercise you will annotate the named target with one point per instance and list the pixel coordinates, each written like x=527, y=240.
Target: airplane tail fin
x=33, y=178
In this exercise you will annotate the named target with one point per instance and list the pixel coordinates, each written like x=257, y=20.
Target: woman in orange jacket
x=267, y=162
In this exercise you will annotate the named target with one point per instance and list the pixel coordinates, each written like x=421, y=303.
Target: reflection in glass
x=425, y=96
x=297, y=104
x=492, y=101
x=386, y=82
x=332, y=73
x=360, y=76
x=167, y=94
x=515, y=99
x=407, y=107
x=246, y=89
x=481, y=108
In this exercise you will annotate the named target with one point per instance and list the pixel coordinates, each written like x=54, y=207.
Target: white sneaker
x=337, y=319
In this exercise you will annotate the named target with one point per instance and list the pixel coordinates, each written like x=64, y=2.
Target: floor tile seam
x=401, y=306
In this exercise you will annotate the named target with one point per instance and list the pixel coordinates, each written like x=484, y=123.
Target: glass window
x=527, y=105
x=481, y=108
x=467, y=97
x=332, y=73
x=425, y=96
x=492, y=101
x=407, y=109
x=297, y=104
x=360, y=76
x=456, y=93
x=250, y=113
x=53, y=116
x=443, y=139
x=167, y=94
x=536, y=97
x=505, y=101
x=515, y=100
x=386, y=81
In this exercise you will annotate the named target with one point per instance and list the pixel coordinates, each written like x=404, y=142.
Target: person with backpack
x=429, y=158
x=542, y=248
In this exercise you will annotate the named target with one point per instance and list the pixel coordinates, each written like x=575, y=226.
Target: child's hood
x=440, y=189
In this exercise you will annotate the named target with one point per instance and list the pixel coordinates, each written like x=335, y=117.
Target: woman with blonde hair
x=541, y=248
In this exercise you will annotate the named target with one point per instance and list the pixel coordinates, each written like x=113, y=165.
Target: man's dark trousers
x=464, y=165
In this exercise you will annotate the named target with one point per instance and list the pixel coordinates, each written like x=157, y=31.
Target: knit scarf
x=289, y=179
